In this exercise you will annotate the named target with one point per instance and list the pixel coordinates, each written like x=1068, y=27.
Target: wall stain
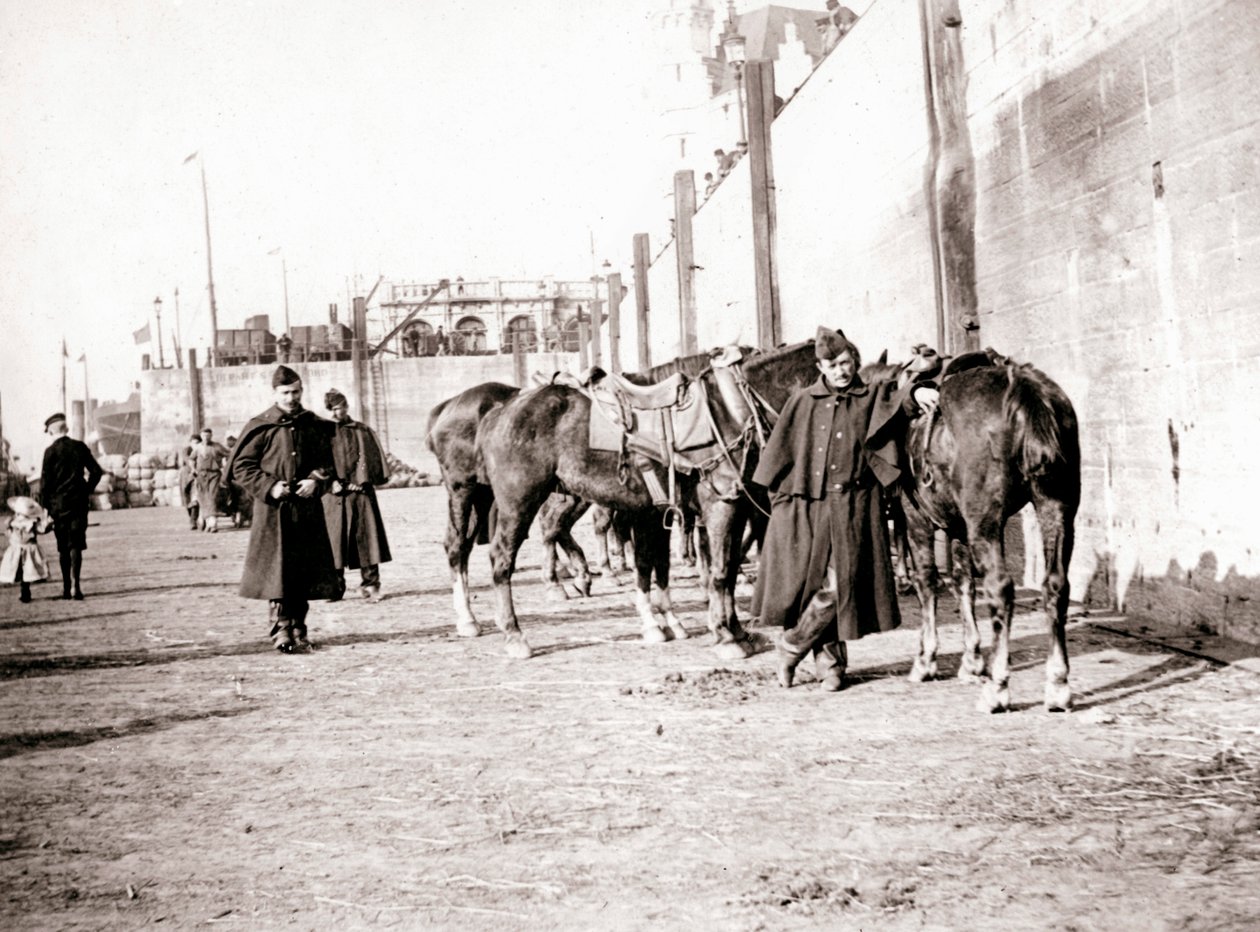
x=1174, y=443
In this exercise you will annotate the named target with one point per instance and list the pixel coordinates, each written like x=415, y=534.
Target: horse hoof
x=994, y=699
x=679, y=631
x=1058, y=697
x=517, y=648
x=922, y=672
x=583, y=587
x=654, y=635
x=467, y=629
x=971, y=670
x=556, y=594
x=733, y=650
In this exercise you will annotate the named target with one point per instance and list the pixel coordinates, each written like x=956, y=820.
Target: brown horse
x=1003, y=435
x=451, y=432
x=539, y=442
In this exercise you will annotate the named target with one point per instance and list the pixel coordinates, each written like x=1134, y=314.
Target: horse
x=450, y=435
x=1002, y=435
x=540, y=442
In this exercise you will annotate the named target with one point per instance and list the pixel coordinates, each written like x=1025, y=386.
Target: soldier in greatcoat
x=188, y=479
x=826, y=572
x=283, y=461
x=355, y=528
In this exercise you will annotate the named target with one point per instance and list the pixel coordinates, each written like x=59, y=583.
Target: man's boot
x=818, y=619
x=371, y=587
x=300, y=643
x=281, y=627
x=340, y=589
x=26, y=593
x=76, y=565
x=830, y=660
x=64, y=559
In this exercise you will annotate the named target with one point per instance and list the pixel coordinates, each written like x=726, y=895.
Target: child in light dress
x=23, y=562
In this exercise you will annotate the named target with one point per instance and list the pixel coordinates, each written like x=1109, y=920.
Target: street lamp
x=157, y=312
x=733, y=44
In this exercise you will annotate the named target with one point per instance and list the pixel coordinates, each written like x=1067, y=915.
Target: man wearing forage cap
x=283, y=462
x=70, y=473
x=355, y=528
x=826, y=573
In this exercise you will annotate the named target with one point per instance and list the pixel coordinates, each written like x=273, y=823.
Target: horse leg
x=688, y=537
x=581, y=570
x=1057, y=540
x=510, y=531
x=731, y=642
x=971, y=664
x=663, y=601
x=649, y=539
x=926, y=583
x=999, y=596
x=459, y=545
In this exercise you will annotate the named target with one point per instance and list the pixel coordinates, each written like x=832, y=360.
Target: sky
x=414, y=140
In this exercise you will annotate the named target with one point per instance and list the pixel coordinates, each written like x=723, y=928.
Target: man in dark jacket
x=69, y=475
x=283, y=461
x=355, y=528
x=826, y=573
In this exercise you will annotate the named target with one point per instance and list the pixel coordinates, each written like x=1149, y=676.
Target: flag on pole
x=65, y=353
x=142, y=335
x=191, y=157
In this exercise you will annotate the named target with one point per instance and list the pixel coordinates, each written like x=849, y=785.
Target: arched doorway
x=521, y=330
x=418, y=339
x=469, y=337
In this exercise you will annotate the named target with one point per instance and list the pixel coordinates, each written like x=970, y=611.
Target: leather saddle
x=661, y=423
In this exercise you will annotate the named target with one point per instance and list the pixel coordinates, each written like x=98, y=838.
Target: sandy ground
x=160, y=764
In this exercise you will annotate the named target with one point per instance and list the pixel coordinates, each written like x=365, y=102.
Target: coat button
x=839, y=433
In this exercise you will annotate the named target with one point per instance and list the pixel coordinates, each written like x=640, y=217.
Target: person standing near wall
x=69, y=475
x=355, y=528
x=826, y=572
x=208, y=488
x=187, y=479
x=284, y=463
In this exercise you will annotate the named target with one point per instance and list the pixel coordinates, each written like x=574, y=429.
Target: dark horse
x=450, y=436
x=1003, y=435
x=539, y=442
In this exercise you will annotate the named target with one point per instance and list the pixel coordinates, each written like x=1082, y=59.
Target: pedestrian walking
x=284, y=462
x=70, y=473
x=355, y=528
x=826, y=574
x=23, y=562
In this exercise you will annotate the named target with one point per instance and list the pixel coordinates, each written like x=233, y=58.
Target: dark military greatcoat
x=355, y=528
x=289, y=556
x=830, y=452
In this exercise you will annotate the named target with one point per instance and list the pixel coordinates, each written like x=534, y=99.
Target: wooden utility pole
x=685, y=251
x=584, y=351
x=950, y=177
x=760, y=75
x=642, y=303
x=614, y=322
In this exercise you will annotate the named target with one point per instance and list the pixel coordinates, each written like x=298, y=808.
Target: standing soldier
x=69, y=475
x=355, y=528
x=284, y=463
x=826, y=573
x=208, y=462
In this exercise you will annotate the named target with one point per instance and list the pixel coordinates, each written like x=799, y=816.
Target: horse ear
x=883, y=357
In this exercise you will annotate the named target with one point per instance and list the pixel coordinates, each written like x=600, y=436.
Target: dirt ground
x=160, y=764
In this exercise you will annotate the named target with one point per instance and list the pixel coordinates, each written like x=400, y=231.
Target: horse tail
x=433, y=419
x=1032, y=408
